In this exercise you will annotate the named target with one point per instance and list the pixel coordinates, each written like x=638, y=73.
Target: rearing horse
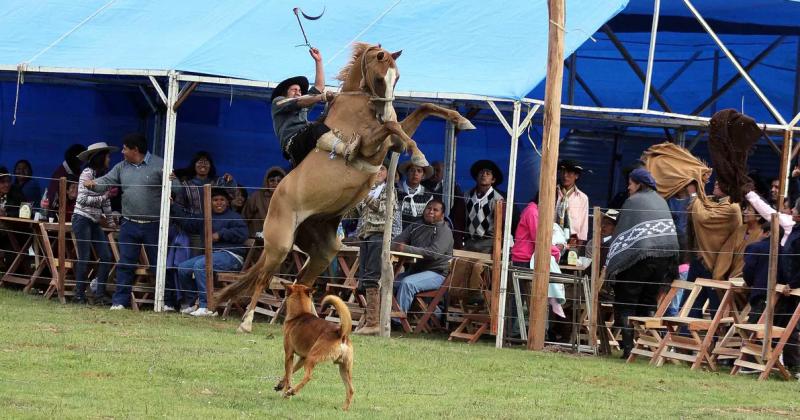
x=306, y=208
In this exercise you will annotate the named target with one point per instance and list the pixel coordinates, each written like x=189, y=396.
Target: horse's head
x=373, y=71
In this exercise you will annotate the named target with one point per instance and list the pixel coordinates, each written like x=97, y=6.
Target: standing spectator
x=140, y=176
x=229, y=235
x=28, y=186
x=372, y=211
x=643, y=254
x=92, y=209
x=70, y=166
x=432, y=239
x=201, y=171
x=572, y=205
x=481, y=204
x=255, y=210
x=413, y=196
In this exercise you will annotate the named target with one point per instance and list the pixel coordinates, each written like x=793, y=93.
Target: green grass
x=77, y=362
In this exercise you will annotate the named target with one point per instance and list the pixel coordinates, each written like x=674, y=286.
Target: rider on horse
x=291, y=101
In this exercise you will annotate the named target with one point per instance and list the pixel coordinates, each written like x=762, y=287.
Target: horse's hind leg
x=318, y=239
x=279, y=230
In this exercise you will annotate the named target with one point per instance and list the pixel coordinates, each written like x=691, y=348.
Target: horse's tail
x=247, y=283
x=345, y=320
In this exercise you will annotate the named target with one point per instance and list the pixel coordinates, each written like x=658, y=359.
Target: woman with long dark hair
x=28, y=186
x=91, y=209
x=201, y=171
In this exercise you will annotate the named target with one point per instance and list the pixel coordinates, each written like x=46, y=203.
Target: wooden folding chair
x=144, y=286
x=649, y=329
x=475, y=318
x=753, y=342
x=429, y=300
x=698, y=346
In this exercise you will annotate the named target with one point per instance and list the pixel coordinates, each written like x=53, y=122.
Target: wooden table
x=42, y=251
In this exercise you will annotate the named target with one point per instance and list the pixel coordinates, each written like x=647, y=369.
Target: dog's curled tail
x=345, y=319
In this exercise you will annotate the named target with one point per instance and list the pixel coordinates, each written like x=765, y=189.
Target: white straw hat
x=98, y=147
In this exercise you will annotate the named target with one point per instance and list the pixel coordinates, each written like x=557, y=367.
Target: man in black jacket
x=434, y=241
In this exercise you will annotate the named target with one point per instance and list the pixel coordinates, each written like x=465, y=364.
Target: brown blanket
x=718, y=236
x=731, y=136
x=673, y=168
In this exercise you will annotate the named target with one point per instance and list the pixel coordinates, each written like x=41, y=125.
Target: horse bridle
x=372, y=96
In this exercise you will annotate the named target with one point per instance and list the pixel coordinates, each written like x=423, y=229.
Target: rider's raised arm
x=319, y=72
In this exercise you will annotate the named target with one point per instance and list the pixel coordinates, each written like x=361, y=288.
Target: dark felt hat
x=571, y=165
x=482, y=164
x=283, y=86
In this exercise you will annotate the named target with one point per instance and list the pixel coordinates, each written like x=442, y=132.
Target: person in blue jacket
x=229, y=235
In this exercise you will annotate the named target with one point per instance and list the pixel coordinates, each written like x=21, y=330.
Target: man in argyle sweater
x=481, y=203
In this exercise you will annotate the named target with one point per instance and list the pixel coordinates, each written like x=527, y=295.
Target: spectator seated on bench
x=229, y=236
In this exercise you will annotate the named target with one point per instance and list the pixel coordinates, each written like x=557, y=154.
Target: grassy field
x=76, y=362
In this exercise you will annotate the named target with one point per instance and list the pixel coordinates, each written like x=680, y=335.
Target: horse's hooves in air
x=465, y=124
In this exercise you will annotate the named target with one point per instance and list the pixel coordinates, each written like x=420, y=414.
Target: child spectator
x=229, y=235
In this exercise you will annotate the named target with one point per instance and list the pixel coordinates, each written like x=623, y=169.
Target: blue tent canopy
x=488, y=48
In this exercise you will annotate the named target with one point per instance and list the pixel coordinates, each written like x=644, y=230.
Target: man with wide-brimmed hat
x=291, y=100
x=413, y=196
x=481, y=203
x=572, y=205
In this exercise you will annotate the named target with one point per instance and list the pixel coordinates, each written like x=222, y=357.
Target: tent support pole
x=716, y=93
x=547, y=184
x=635, y=67
x=679, y=72
x=796, y=101
x=450, y=166
x=736, y=64
x=509, y=211
x=585, y=86
x=159, y=91
x=163, y=224
x=650, y=55
x=184, y=93
x=514, y=131
x=573, y=68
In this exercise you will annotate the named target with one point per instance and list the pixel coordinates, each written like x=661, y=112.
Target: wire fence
x=34, y=254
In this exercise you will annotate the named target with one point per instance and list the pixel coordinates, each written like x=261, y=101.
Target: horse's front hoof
x=465, y=124
x=244, y=328
x=419, y=160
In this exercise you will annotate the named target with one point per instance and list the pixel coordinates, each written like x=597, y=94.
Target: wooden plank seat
x=697, y=347
x=650, y=330
x=752, y=356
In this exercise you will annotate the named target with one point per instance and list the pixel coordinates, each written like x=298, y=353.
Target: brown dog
x=315, y=340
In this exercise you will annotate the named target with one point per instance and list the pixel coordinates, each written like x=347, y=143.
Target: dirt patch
x=756, y=410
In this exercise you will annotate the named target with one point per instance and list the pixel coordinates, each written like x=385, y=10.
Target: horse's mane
x=358, y=49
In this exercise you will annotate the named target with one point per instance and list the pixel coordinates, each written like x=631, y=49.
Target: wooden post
x=497, y=270
x=62, y=237
x=208, y=246
x=772, y=279
x=594, y=305
x=547, y=184
x=387, y=273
